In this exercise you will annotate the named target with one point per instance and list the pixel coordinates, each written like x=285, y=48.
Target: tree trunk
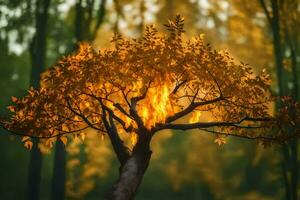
x=34, y=173
x=38, y=54
x=282, y=87
x=132, y=172
x=59, y=175
x=292, y=43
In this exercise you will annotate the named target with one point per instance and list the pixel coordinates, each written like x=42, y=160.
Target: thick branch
x=190, y=108
x=198, y=125
x=135, y=100
x=118, y=145
x=111, y=113
x=119, y=107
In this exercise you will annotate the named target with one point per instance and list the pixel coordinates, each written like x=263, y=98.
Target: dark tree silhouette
x=38, y=53
x=274, y=12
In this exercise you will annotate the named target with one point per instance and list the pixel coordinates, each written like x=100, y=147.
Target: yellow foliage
x=64, y=139
x=95, y=166
x=140, y=75
x=220, y=141
x=28, y=144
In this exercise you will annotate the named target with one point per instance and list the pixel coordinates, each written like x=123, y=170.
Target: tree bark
x=132, y=172
x=282, y=87
x=290, y=151
x=34, y=173
x=38, y=54
x=59, y=175
x=291, y=43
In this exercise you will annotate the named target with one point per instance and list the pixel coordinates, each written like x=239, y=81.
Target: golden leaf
x=64, y=139
x=28, y=144
x=25, y=138
x=82, y=136
x=11, y=108
x=14, y=99
x=220, y=141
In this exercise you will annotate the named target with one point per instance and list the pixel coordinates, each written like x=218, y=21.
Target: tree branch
x=190, y=108
x=111, y=113
x=48, y=136
x=266, y=138
x=85, y=119
x=120, y=149
x=198, y=125
x=178, y=86
x=100, y=17
x=135, y=100
x=267, y=13
x=119, y=107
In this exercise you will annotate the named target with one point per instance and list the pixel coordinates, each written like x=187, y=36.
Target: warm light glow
x=195, y=116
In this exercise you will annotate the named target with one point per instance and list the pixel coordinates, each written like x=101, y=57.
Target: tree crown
x=153, y=83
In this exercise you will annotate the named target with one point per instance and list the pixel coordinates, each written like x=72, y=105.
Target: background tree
x=12, y=64
x=38, y=53
x=278, y=19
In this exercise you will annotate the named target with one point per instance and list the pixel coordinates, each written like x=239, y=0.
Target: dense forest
x=148, y=99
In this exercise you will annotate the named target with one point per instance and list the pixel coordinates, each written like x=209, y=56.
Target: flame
x=157, y=106
x=153, y=109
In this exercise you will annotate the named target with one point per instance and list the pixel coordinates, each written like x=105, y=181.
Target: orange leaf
x=220, y=141
x=28, y=144
x=64, y=139
x=11, y=108
x=14, y=99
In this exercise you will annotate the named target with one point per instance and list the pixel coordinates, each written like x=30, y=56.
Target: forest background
x=262, y=33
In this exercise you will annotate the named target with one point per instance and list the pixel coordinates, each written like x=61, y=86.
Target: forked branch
x=192, y=106
x=120, y=149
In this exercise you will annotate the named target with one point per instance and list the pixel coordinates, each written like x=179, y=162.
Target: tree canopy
x=153, y=83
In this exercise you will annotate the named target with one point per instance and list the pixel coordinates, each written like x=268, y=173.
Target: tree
x=142, y=87
x=38, y=54
x=278, y=19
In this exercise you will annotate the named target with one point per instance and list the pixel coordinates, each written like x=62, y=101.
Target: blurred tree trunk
x=289, y=151
x=82, y=32
x=142, y=9
x=282, y=89
x=291, y=43
x=59, y=174
x=38, y=54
